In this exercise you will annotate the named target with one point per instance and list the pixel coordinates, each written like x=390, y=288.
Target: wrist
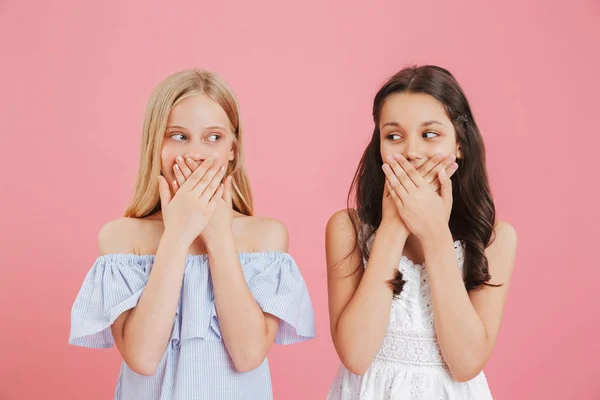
x=218, y=240
x=175, y=241
x=436, y=237
x=397, y=235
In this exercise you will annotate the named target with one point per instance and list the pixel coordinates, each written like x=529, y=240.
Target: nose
x=196, y=152
x=412, y=152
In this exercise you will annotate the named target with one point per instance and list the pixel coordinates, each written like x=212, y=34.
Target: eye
x=394, y=136
x=430, y=135
x=214, y=137
x=178, y=136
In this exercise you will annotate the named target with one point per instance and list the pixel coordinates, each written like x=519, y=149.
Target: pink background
x=75, y=79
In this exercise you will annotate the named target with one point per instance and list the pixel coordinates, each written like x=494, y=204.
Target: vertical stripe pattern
x=196, y=364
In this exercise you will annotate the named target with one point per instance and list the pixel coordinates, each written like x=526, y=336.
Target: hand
x=420, y=207
x=222, y=219
x=390, y=215
x=430, y=169
x=189, y=211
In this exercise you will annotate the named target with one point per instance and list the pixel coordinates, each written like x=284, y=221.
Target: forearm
x=242, y=322
x=362, y=325
x=148, y=327
x=460, y=332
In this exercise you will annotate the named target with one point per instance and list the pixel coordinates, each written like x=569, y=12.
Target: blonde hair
x=168, y=93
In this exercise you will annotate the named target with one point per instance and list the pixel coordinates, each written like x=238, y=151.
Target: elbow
x=356, y=369
x=469, y=363
x=144, y=365
x=465, y=376
x=356, y=362
x=248, y=360
x=143, y=368
x=466, y=371
x=355, y=365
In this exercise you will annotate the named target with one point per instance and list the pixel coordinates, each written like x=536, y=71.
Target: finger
x=395, y=185
x=212, y=204
x=446, y=187
x=430, y=163
x=179, y=178
x=435, y=185
x=215, y=174
x=219, y=193
x=400, y=174
x=183, y=167
x=397, y=201
x=410, y=171
x=451, y=169
x=432, y=169
x=386, y=191
x=198, y=174
x=163, y=191
x=192, y=165
x=228, y=191
x=175, y=186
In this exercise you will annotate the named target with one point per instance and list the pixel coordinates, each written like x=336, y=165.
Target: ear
x=232, y=152
x=458, y=151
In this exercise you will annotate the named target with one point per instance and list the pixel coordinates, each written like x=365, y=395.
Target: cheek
x=445, y=147
x=222, y=151
x=167, y=160
x=387, y=149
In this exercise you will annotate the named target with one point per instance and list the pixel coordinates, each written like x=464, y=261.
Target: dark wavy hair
x=473, y=213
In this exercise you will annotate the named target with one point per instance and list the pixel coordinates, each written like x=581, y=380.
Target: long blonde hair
x=168, y=93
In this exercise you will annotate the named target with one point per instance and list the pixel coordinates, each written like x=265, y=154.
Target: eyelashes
x=424, y=135
x=213, y=137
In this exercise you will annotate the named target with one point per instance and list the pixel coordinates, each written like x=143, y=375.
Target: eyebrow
x=426, y=123
x=394, y=124
x=432, y=122
x=207, y=128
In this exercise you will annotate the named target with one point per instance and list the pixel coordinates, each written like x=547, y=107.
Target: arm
x=142, y=333
x=248, y=333
x=360, y=299
x=467, y=324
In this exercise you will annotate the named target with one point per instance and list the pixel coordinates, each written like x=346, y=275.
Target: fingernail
x=389, y=158
x=385, y=167
x=179, y=159
x=397, y=156
x=455, y=166
x=452, y=157
x=176, y=167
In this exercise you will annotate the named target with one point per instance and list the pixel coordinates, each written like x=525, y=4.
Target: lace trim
x=411, y=348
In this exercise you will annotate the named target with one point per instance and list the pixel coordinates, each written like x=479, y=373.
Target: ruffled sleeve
x=113, y=285
x=277, y=286
x=280, y=290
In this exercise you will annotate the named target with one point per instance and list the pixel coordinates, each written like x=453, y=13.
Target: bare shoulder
x=341, y=235
x=502, y=251
x=505, y=236
x=125, y=235
x=343, y=222
x=269, y=234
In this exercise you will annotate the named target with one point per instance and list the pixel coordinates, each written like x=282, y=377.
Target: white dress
x=409, y=364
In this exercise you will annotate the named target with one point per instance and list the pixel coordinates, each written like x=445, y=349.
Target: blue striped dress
x=196, y=364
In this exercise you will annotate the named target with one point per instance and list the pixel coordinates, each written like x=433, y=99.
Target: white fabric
x=409, y=364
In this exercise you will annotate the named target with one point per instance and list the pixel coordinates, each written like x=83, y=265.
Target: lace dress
x=409, y=364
